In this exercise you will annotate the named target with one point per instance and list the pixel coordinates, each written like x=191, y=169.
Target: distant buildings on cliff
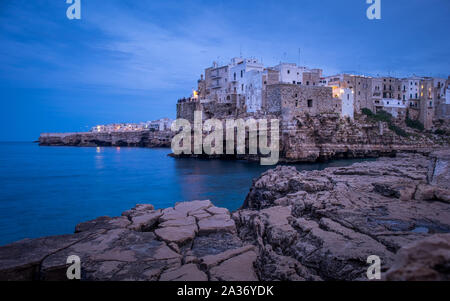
x=246, y=86
x=156, y=125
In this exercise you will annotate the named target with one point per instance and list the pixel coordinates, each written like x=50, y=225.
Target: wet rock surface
x=325, y=224
x=312, y=225
x=143, y=244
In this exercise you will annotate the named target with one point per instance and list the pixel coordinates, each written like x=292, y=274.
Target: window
x=242, y=87
x=310, y=103
x=293, y=82
x=307, y=83
x=242, y=73
x=234, y=76
x=289, y=72
x=348, y=96
x=359, y=92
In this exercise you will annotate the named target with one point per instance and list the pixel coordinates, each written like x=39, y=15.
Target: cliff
x=305, y=138
x=145, y=138
x=312, y=225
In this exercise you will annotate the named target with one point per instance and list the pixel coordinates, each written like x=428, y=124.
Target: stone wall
x=185, y=110
x=290, y=99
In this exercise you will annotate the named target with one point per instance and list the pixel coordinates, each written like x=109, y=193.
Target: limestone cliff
x=144, y=138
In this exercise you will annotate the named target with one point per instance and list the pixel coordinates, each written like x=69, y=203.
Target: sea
x=47, y=190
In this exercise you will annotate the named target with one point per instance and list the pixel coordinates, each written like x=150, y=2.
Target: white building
x=253, y=85
x=447, y=96
x=299, y=75
x=348, y=101
x=410, y=88
x=394, y=106
x=238, y=68
x=163, y=124
x=290, y=73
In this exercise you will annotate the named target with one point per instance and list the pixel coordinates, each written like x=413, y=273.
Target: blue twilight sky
x=129, y=60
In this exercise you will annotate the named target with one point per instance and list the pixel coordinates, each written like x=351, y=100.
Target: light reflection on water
x=48, y=190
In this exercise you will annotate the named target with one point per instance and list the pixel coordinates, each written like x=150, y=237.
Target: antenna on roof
x=299, y=57
x=240, y=50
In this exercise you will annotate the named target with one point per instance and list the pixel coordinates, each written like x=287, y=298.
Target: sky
x=129, y=60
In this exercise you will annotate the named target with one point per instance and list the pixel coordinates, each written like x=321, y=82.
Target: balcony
x=215, y=76
x=214, y=86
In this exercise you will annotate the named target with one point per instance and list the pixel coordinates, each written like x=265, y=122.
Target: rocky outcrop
x=425, y=260
x=191, y=242
x=325, y=224
x=311, y=225
x=144, y=138
x=305, y=138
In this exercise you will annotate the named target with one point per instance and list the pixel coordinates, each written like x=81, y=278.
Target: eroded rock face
x=325, y=224
x=312, y=225
x=143, y=138
x=143, y=244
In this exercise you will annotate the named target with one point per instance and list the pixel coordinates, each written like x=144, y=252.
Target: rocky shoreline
x=143, y=138
x=312, y=225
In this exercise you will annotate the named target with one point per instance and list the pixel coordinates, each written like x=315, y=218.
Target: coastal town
x=320, y=117
x=246, y=86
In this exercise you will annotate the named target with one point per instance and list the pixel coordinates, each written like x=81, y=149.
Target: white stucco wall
x=447, y=96
x=348, y=103
x=253, y=90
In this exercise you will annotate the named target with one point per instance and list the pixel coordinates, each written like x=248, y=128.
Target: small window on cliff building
x=310, y=103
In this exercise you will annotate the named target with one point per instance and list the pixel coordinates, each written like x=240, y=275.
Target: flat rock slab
x=188, y=272
x=238, y=268
x=216, y=223
x=178, y=235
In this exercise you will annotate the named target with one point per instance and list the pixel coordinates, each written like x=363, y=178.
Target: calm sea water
x=48, y=190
